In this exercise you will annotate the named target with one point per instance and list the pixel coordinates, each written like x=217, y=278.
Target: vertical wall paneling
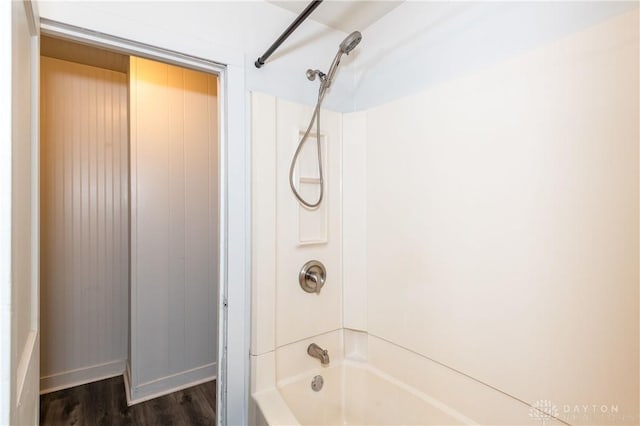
x=174, y=227
x=84, y=234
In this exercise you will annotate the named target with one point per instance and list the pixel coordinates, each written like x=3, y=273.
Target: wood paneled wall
x=84, y=223
x=174, y=222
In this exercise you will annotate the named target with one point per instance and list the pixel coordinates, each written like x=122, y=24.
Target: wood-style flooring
x=104, y=403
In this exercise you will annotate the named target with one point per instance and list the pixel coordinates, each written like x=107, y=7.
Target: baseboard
x=81, y=376
x=166, y=385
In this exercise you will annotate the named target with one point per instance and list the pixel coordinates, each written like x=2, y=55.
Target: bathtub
x=371, y=381
x=358, y=394
x=358, y=388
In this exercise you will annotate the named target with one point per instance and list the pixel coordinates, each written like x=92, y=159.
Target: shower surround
x=286, y=319
x=481, y=244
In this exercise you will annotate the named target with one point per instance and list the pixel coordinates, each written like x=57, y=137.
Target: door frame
x=19, y=360
x=233, y=308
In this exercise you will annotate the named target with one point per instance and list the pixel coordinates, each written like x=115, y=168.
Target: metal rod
x=290, y=29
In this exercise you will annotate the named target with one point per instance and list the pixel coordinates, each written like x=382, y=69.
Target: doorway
x=130, y=221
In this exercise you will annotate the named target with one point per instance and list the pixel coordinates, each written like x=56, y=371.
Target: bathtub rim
x=281, y=413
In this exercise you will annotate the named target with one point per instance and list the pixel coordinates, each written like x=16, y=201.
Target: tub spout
x=317, y=352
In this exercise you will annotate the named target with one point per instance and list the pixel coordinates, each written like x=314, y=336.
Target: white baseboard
x=166, y=385
x=81, y=376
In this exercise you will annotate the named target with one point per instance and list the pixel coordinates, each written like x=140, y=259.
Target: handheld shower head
x=347, y=45
x=350, y=42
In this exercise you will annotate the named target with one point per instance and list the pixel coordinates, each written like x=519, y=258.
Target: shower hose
x=315, y=117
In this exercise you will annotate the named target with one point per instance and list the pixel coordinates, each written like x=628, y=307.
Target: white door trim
x=5, y=211
x=233, y=336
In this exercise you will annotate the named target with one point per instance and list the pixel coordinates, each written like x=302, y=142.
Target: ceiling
x=345, y=16
x=83, y=54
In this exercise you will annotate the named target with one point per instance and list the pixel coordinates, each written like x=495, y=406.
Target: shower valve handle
x=312, y=276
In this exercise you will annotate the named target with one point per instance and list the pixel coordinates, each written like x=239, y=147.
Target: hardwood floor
x=104, y=403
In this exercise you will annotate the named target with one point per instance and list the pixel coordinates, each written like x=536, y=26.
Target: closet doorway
x=130, y=190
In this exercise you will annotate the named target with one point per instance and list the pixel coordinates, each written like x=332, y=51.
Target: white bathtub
x=371, y=381
x=355, y=392
x=358, y=394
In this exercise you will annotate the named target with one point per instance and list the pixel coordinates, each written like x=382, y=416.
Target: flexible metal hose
x=347, y=45
x=315, y=117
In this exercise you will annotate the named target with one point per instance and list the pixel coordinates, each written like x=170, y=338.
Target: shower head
x=350, y=42
x=347, y=45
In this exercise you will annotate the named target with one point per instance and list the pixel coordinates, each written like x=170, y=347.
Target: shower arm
x=290, y=29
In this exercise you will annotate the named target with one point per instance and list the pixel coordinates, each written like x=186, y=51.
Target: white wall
x=85, y=223
x=174, y=223
x=229, y=32
x=502, y=223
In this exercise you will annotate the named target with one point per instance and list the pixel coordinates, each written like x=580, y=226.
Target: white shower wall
x=283, y=313
x=84, y=223
x=502, y=232
x=300, y=314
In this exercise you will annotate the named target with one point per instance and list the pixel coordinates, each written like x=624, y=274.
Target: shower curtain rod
x=290, y=29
